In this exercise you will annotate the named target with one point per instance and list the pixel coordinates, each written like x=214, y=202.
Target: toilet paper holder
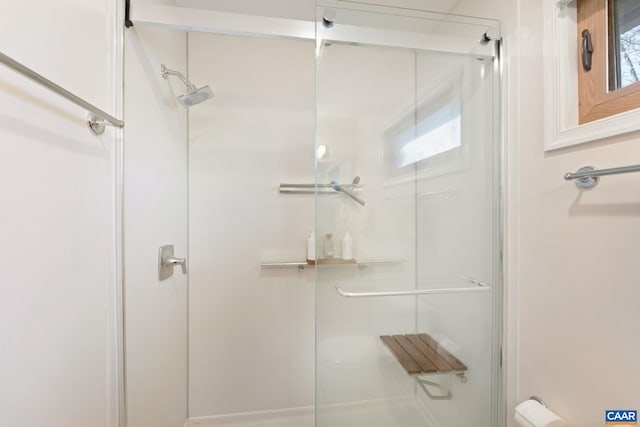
x=539, y=400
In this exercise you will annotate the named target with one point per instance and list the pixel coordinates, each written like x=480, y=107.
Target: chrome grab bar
x=481, y=287
x=97, y=118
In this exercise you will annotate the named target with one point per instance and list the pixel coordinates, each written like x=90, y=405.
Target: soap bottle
x=347, y=247
x=328, y=246
x=311, y=248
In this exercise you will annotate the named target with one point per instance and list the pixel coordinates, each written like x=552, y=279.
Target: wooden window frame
x=596, y=101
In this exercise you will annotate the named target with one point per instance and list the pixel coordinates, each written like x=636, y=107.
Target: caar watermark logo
x=621, y=417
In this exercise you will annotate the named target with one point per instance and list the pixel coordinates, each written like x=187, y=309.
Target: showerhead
x=194, y=95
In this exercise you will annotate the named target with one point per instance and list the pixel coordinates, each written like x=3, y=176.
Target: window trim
x=560, y=107
x=596, y=101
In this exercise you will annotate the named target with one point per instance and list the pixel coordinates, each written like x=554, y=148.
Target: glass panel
x=624, y=30
x=411, y=131
x=457, y=233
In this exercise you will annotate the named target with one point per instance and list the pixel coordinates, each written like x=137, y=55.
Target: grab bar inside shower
x=480, y=287
x=96, y=120
x=333, y=188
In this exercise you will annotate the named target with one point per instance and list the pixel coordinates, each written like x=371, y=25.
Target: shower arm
x=165, y=72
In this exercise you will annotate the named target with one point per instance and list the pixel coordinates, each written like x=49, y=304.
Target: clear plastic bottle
x=328, y=246
x=347, y=247
x=311, y=247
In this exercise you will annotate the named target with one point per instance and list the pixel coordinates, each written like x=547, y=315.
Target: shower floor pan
x=392, y=412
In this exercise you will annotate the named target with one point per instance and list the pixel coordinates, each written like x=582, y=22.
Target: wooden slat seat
x=421, y=354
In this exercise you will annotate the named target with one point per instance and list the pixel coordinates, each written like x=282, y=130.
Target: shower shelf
x=419, y=355
x=337, y=262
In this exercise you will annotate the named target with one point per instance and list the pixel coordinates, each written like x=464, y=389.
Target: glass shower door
x=407, y=219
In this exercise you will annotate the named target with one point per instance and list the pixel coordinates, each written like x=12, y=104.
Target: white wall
x=251, y=331
x=155, y=174
x=577, y=271
x=57, y=220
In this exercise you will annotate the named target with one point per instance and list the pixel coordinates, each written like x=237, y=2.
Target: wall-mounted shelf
x=337, y=262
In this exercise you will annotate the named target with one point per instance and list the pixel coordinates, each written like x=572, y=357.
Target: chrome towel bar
x=96, y=118
x=482, y=287
x=588, y=176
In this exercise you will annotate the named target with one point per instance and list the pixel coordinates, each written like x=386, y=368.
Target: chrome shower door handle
x=166, y=262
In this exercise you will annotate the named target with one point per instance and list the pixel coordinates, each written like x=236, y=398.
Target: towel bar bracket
x=96, y=124
x=587, y=182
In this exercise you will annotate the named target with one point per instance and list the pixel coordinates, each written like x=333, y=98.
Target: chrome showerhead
x=194, y=95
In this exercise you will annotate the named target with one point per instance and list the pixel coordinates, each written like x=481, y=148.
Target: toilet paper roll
x=532, y=414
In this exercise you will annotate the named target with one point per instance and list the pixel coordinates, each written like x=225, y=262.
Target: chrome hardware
x=299, y=265
x=96, y=120
x=165, y=73
x=97, y=125
x=340, y=188
x=328, y=17
x=333, y=188
x=166, y=262
x=539, y=400
x=587, y=176
x=479, y=288
x=443, y=387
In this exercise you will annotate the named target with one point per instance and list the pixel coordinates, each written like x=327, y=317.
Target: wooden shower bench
x=420, y=354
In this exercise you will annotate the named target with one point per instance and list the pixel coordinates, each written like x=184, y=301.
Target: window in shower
x=437, y=133
x=431, y=128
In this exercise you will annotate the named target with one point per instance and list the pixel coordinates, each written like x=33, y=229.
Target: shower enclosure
x=408, y=102
x=376, y=128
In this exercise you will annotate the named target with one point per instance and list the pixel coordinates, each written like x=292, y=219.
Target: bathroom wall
x=155, y=214
x=57, y=218
x=577, y=271
x=251, y=330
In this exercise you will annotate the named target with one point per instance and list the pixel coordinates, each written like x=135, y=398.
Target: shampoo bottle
x=311, y=247
x=328, y=246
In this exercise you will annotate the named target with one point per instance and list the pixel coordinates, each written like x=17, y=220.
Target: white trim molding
x=212, y=21
x=560, y=53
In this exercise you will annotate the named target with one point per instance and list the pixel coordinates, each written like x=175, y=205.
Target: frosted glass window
x=438, y=132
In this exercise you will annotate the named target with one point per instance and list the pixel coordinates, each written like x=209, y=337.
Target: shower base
x=393, y=412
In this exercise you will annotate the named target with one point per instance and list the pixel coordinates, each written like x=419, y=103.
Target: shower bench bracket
x=420, y=355
x=443, y=387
